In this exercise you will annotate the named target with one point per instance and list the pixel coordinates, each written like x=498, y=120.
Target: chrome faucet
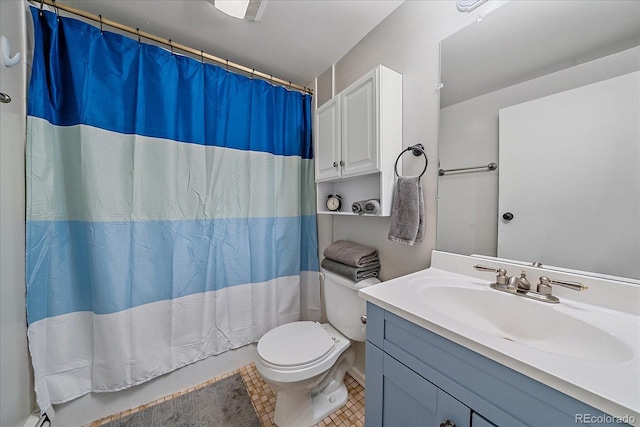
x=522, y=287
x=504, y=282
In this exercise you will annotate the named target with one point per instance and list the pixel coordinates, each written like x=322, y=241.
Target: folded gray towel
x=372, y=207
x=352, y=273
x=407, y=211
x=358, y=207
x=351, y=254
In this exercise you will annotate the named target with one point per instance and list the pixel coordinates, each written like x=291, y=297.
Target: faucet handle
x=501, y=278
x=524, y=282
x=485, y=268
x=544, y=287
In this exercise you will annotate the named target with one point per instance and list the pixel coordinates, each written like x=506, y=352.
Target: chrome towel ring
x=416, y=150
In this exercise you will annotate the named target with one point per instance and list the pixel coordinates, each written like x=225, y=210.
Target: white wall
x=408, y=41
x=468, y=205
x=16, y=396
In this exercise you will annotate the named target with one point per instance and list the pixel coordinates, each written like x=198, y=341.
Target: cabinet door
x=359, y=127
x=327, y=152
x=399, y=397
x=452, y=410
x=478, y=421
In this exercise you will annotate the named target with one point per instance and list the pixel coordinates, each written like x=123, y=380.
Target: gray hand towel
x=407, y=211
x=351, y=254
x=372, y=207
x=358, y=207
x=352, y=273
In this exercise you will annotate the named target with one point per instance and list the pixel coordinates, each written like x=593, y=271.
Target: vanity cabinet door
x=407, y=398
x=478, y=421
x=399, y=397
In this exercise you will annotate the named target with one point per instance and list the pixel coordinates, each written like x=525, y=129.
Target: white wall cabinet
x=328, y=140
x=358, y=135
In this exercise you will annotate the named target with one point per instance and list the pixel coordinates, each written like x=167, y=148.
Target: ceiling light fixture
x=251, y=10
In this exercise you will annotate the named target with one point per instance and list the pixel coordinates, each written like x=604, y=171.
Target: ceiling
x=523, y=40
x=296, y=40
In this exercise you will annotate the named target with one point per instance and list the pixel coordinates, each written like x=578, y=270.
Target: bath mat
x=224, y=403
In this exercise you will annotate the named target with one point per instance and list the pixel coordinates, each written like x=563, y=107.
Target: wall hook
x=7, y=59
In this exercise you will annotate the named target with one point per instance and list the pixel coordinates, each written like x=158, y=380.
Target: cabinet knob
x=335, y=164
x=448, y=423
x=341, y=163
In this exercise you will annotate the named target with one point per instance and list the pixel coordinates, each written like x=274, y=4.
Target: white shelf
x=351, y=190
x=344, y=213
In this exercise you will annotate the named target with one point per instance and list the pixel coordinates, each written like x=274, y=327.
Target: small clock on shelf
x=334, y=202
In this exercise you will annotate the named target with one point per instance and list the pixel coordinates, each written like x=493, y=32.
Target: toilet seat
x=295, y=345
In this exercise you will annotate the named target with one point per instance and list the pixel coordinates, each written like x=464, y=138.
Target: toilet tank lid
x=349, y=283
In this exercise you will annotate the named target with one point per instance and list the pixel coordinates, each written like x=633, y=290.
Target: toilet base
x=302, y=410
x=295, y=408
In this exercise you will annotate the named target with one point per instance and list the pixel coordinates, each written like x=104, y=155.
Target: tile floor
x=264, y=401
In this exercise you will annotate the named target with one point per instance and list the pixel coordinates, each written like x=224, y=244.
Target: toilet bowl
x=305, y=362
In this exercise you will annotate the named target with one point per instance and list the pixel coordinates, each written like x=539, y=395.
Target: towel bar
x=416, y=150
x=490, y=166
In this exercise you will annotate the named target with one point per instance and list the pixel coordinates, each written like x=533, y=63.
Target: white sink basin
x=585, y=350
x=538, y=325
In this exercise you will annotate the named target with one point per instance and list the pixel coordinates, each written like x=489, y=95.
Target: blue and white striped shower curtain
x=170, y=210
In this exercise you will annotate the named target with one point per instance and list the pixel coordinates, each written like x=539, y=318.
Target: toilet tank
x=343, y=306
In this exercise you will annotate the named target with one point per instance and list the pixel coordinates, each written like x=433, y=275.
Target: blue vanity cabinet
x=478, y=421
x=418, y=378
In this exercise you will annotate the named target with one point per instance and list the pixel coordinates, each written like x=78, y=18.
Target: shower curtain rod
x=172, y=45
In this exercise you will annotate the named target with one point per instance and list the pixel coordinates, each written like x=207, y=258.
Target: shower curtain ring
x=55, y=7
x=171, y=45
x=202, y=56
x=252, y=71
x=41, y=6
x=227, y=65
x=138, y=33
x=100, y=16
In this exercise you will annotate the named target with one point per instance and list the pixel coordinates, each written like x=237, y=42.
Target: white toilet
x=305, y=362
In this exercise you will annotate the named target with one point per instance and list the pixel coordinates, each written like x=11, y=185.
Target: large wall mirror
x=550, y=93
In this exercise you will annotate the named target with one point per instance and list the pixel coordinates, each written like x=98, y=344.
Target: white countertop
x=604, y=373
